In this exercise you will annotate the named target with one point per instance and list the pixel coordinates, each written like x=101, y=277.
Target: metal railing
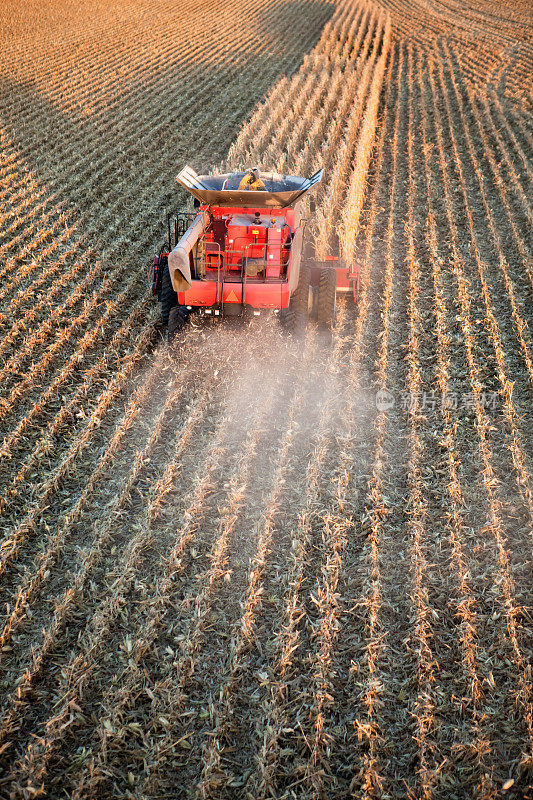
x=177, y=224
x=234, y=262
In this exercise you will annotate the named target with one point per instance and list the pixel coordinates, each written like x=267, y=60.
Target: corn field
x=262, y=565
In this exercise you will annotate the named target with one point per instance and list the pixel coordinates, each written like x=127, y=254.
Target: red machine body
x=238, y=242
x=241, y=251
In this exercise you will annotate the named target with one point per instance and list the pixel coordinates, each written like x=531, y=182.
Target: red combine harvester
x=242, y=251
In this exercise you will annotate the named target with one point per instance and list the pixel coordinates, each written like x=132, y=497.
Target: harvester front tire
x=176, y=320
x=169, y=298
x=327, y=291
x=295, y=317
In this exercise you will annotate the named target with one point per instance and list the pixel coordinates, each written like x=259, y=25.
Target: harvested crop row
x=494, y=501
x=492, y=43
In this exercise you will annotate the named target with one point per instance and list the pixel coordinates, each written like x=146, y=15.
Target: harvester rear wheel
x=169, y=298
x=176, y=320
x=327, y=289
x=295, y=317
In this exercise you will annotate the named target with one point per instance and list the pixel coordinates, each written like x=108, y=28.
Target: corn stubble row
x=231, y=572
x=492, y=41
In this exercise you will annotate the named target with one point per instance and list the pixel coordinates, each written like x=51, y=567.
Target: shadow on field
x=115, y=146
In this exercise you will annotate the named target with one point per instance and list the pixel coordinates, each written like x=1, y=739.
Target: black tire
x=169, y=298
x=295, y=316
x=327, y=289
x=176, y=320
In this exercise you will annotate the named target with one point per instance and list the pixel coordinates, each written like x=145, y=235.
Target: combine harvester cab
x=241, y=253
